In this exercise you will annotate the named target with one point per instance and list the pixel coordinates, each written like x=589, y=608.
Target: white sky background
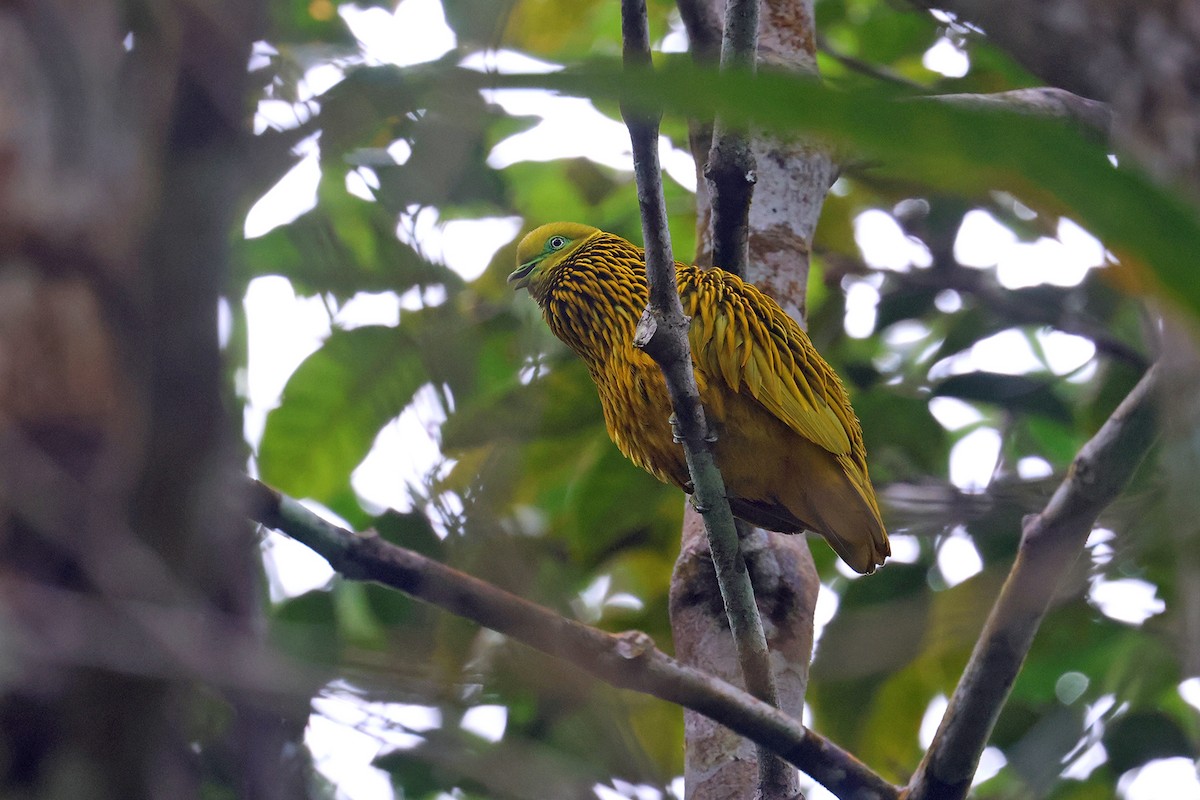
x=346, y=734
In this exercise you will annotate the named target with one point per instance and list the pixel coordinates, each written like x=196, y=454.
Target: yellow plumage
x=788, y=443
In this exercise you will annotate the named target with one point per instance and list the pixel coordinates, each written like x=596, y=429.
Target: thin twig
x=627, y=660
x=1050, y=542
x=870, y=69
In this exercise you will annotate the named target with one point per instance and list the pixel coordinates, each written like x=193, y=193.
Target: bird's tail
x=848, y=516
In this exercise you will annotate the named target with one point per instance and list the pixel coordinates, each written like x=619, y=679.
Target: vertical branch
x=1050, y=542
x=662, y=333
x=730, y=172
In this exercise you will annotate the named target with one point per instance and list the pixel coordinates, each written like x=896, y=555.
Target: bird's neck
x=593, y=302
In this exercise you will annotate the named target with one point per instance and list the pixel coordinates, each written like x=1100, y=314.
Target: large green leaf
x=333, y=407
x=940, y=145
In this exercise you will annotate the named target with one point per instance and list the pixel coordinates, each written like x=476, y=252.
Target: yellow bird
x=787, y=442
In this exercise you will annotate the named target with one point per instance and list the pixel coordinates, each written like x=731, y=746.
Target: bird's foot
x=676, y=436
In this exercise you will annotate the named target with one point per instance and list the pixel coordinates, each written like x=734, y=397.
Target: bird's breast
x=637, y=409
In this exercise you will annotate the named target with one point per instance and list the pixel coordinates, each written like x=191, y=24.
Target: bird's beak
x=519, y=278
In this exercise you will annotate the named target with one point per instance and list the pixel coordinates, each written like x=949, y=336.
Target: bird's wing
x=741, y=335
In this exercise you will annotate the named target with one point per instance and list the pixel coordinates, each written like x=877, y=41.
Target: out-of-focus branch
x=1050, y=542
x=863, y=67
x=663, y=334
x=627, y=660
x=51, y=628
x=703, y=29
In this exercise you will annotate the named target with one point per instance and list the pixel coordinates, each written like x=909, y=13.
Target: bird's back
x=788, y=443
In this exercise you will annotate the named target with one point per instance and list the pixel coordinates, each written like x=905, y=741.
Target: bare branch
x=627, y=660
x=1050, y=543
x=730, y=171
x=703, y=29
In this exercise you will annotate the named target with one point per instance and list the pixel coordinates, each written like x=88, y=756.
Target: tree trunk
x=792, y=180
x=127, y=575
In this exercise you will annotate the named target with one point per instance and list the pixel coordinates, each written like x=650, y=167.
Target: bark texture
x=792, y=178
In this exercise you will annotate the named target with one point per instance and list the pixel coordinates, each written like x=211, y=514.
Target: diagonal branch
x=1050, y=543
x=1041, y=101
x=626, y=660
x=663, y=334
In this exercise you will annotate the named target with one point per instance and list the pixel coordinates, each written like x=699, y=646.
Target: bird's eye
x=557, y=242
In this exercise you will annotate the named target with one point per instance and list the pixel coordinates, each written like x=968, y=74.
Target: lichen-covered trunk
x=792, y=180
x=118, y=547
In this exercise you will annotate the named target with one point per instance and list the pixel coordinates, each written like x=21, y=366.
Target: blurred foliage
x=532, y=496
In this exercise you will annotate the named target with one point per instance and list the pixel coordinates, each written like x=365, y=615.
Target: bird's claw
x=676, y=436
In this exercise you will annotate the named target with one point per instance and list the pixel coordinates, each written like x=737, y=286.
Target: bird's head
x=544, y=248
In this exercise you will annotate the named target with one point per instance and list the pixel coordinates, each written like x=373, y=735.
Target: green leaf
x=410, y=530
x=1037, y=757
x=333, y=407
x=905, y=303
x=965, y=329
x=954, y=149
x=305, y=628
x=356, y=620
x=371, y=106
x=902, y=436
x=560, y=403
